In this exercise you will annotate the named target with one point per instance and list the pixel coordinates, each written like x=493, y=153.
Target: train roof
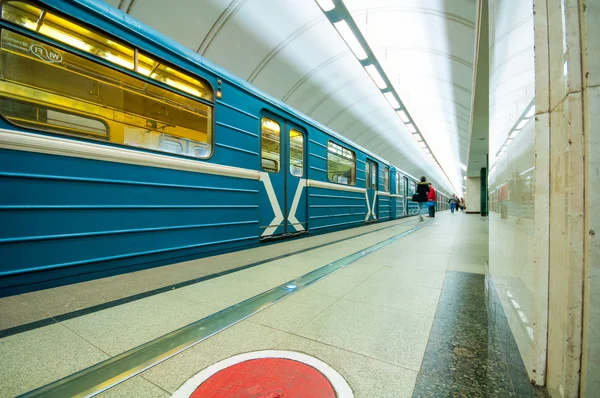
x=119, y=17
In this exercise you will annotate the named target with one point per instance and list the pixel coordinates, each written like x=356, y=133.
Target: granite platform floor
x=411, y=319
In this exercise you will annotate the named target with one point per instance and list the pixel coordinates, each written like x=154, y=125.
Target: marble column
x=566, y=43
x=589, y=14
x=473, y=196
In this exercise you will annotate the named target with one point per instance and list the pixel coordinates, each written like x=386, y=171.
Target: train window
x=374, y=177
x=341, y=164
x=270, y=145
x=49, y=89
x=368, y=174
x=296, y=153
x=386, y=179
x=83, y=39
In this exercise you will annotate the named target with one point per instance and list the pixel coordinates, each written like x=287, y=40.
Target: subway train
x=122, y=150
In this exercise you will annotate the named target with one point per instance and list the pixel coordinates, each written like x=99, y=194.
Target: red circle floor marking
x=266, y=378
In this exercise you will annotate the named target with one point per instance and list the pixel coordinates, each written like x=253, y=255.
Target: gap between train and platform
x=105, y=375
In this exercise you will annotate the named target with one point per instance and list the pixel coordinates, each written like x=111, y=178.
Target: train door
x=405, y=194
x=372, y=184
x=283, y=199
x=412, y=207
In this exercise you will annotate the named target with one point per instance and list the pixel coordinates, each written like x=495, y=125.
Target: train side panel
x=332, y=205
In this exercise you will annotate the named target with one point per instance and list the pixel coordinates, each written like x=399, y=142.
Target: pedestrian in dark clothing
x=421, y=195
x=454, y=201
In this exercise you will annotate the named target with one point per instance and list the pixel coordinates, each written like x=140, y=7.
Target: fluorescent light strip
x=531, y=112
x=513, y=134
x=392, y=100
x=374, y=73
x=527, y=171
x=521, y=124
x=326, y=5
x=346, y=33
x=355, y=45
x=403, y=116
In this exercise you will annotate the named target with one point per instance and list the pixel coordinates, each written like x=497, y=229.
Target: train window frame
x=386, y=179
x=105, y=72
x=290, y=160
x=276, y=162
x=344, y=153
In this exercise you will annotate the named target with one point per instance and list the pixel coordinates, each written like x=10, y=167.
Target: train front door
x=283, y=169
x=372, y=184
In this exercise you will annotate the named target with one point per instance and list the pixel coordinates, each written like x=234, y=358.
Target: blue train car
x=122, y=150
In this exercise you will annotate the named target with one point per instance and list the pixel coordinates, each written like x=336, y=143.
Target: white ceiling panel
x=201, y=15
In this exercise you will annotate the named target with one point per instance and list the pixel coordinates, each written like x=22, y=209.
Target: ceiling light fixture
x=403, y=116
x=326, y=5
x=372, y=71
x=391, y=99
x=531, y=112
x=521, y=122
x=343, y=22
x=346, y=33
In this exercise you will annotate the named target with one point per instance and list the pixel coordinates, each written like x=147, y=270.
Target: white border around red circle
x=339, y=384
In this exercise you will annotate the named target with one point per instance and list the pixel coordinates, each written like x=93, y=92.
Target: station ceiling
x=290, y=50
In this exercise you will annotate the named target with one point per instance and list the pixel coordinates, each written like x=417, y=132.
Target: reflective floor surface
x=416, y=316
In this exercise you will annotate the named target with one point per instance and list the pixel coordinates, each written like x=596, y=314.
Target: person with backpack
x=420, y=196
x=454, y=201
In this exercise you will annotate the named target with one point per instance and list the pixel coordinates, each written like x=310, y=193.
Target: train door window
x=296, y=153
x=270, y=145
x=386, y=179
x=341, y=164
x=46, y=88
x=368, y=174
x=374, y=177
x=400, y=184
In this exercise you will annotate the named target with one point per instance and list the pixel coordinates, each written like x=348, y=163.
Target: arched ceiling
x=289, y=49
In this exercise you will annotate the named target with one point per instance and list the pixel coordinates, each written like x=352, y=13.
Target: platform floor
x=412, y=318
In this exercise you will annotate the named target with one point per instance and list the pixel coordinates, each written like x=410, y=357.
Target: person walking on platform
x=431, y=201
x=421, y=195
x=454, y=203
x=462, y=204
